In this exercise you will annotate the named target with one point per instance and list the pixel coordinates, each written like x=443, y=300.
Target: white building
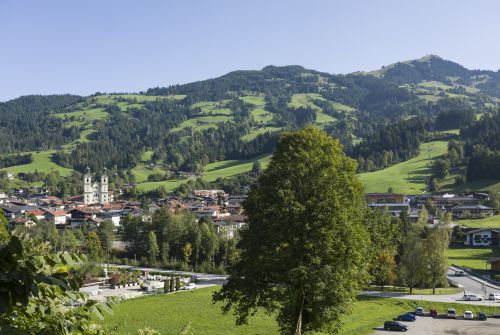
x=95, y=193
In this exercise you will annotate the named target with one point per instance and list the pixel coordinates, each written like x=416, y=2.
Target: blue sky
x=81, y=47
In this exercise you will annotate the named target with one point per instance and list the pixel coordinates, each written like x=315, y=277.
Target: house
x=394, y=209
x=385, y=198
x=39, y=214
x=11, y=211
x=113, y=215
x=81, y=215
x=58, y=217
x=471, y=211
x=26, y=222
x=207, y=193
x=495, y=263
x=228, y=225
x=483, y=237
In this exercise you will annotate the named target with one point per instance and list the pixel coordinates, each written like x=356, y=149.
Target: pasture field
x=254, y=100
x=260, y=115
x=142, y=172
x=473, y=258
x=88, y=115
x=230, y=168
x=203, y=122
x=146, y=156
x=194, y=311
x=491, y=222
x=407, y=177
x=257, y=131
x=42, y=162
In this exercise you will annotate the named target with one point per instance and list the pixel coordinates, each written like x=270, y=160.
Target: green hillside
x=407, y=177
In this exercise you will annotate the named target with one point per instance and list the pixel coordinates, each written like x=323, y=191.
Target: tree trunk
x=411, y=288
x=433, y=287
x=298, y=322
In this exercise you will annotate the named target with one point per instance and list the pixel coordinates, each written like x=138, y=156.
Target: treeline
x=482, y=146
x=13, y=160
x=454, y=119
x=178, y=241
x=27, y=124
x=390, y=145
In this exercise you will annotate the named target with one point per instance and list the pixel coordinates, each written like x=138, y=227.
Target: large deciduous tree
x=302, y=255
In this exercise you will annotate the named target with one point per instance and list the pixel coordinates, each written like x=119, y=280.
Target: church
x=97, y=192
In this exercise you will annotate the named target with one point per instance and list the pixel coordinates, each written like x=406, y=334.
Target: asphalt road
x=473, y=286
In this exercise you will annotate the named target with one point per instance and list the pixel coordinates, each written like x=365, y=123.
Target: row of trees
x=177, y=240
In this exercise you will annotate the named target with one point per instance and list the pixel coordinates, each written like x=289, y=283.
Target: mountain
x=233, y=117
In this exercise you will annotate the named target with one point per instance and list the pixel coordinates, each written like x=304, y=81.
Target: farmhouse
x=56, y=217
x=394, y=209
x=484, y=237
x=471, y=211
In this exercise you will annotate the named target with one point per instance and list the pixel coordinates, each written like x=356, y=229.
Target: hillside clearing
x=42, y=162
x=407, y=177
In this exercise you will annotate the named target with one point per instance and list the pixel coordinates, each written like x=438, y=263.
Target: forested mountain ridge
x=238, y=116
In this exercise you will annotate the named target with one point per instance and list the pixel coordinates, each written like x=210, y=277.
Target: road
x=472, y=284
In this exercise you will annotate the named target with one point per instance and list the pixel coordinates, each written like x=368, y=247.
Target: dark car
x=433, y=313
x=482, y=316
x=407, y=317
x=393, y=325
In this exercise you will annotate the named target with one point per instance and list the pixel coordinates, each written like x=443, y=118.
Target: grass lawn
x=42, y=162
x=416, y=291
x=169, y=185
x=203, y=122
x=493, y=221
x=230, y=168
x=473, y=258
x=406, y=177
x=88, y=115
x=254, y=100
x=434, y=84
x=260, y=115
x=257, y=131
x=492, y=185
x=146, y=156
x=169, y=314
x=142, y=172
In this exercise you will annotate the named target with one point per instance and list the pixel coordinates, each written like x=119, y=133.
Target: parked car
x=434, y=313
x=470, y=297
x=459, y=273
x=190, y=286
x=468, y=315
x=451, y=313
x=494, y=296
x=393, y=325
x=482, y=316
x=420, y=311
x=407, y=317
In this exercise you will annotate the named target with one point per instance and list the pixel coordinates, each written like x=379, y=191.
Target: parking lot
x=430, y=326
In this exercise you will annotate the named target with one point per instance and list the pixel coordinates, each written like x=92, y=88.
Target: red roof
x=57, y=213
x=36, y=212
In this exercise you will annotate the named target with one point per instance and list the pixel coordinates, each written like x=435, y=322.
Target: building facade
x=97, y=192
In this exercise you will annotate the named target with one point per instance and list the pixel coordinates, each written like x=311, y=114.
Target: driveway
x=430, y=326
x=472, y=284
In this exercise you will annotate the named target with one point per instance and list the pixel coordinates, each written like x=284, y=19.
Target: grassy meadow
x=170, y=314
x=42, y=162
x=407, y=177
x=473, y=258
x=491, y=222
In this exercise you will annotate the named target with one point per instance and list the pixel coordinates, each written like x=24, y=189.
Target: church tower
x=103, y=188
x=88, y=192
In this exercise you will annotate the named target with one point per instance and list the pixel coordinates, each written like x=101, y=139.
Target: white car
x=451, y=314
x=459, y=273
x=494, y=296
x=471, y=297
x=468, y=315
x=420, y=311
x=190, y=286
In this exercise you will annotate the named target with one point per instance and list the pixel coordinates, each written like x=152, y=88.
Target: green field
x=146, y=156
x=88, y=115
x=491, y=222
x=260, y=115
x=435, y=85
x=42, y=162
x=257, y=131
x=221, y=169
x=203, y=122
x=306, y=100
x=142, y=171
x=230, y=168
x=254, y=100
x=213, y=108
x=169, y=314
x=473, y=258
x=407, y=177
